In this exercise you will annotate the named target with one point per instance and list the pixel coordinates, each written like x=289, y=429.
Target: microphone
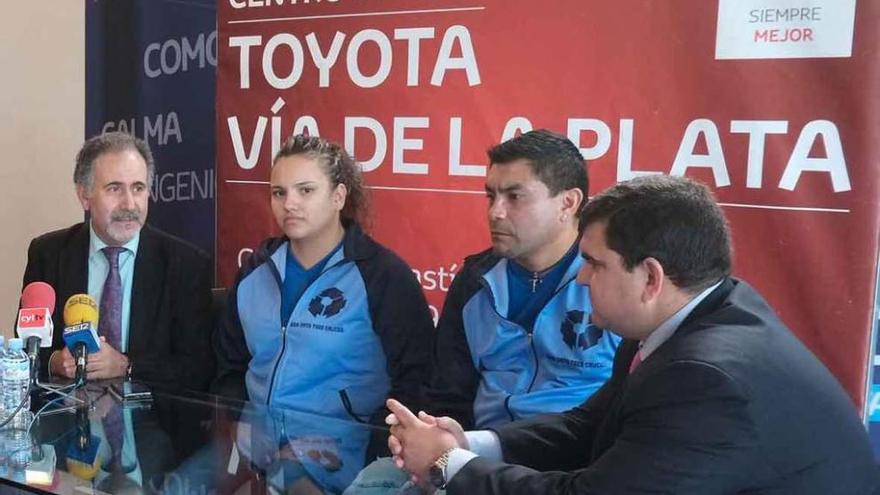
x=34, y=324
x=81, y=331
x=82, y=454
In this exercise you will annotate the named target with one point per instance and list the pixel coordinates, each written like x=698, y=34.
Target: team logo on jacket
x=574, y=340
x=327, y=303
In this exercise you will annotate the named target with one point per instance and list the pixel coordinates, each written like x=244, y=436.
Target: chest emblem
x=583, y=340
x=327, y=303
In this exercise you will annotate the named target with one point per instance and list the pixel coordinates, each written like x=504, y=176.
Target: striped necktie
x=110, y=319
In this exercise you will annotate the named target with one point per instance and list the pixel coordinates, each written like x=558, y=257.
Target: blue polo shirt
x=525, y=304
x=297, y=279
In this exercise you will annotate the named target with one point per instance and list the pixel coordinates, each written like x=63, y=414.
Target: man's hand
x=61, y=363
x=106, y=363
x=417, y=443
x=448, y=424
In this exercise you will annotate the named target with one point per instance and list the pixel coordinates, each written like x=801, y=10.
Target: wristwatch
x=437, y=472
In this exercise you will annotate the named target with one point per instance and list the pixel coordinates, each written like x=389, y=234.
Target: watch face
x=435, y=476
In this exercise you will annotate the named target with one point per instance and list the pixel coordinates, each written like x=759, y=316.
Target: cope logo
x=574, y=340
x=327, y=303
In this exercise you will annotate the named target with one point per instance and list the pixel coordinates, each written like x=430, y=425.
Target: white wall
x=42, y=119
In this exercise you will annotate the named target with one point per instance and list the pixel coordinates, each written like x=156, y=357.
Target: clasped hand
x=416, y=442
x=106, y=363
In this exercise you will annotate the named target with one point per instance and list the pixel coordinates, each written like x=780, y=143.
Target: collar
x=96, y=244
x=329, y=259
x=663, y=332
x=536, y=278
x=355, y=245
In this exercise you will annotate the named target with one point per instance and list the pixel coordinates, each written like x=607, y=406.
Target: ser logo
x=327, y=303
x=584, y=340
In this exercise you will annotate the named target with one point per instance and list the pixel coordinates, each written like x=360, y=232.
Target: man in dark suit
x=710, y=392
x=153, y=289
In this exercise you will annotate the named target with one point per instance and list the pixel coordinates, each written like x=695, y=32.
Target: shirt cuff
x=482, y=443
x=485, y=443
x=457, y=459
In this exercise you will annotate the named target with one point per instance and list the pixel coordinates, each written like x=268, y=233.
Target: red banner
x=773, y=105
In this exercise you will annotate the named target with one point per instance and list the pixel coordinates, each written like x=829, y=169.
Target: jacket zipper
x=529, y=335
x=277, y=362
x=531, y=338
x=284, y=327
x=535, y=354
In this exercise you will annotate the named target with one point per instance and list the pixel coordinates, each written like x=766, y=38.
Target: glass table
x=93, y=441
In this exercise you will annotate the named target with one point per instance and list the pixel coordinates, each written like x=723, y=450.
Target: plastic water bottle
x=16, y=377
x=4, y=450
x=4, y=431
x=2, y=372
x=4, y=453
x=18, y=441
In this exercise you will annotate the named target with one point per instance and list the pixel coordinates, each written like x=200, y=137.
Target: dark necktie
x=110, y=318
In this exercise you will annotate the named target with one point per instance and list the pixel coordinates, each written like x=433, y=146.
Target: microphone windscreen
x=80, y=308
x=38, y=295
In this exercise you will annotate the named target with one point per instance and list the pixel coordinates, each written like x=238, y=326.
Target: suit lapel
x=73, y=267
x=706, y=307
x=626, y=351
x=709, y=304
x=71, y=277
x=146, y=289
x=610, y=428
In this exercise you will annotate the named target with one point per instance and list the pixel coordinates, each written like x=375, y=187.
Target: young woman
x=323, y=319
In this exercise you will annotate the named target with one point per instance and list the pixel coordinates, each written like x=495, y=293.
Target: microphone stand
x=33, y=352
x=81, y=357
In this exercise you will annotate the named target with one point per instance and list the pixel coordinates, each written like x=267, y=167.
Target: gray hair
x=111, y=142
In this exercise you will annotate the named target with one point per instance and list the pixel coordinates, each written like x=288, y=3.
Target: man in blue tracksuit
x=514, y=338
